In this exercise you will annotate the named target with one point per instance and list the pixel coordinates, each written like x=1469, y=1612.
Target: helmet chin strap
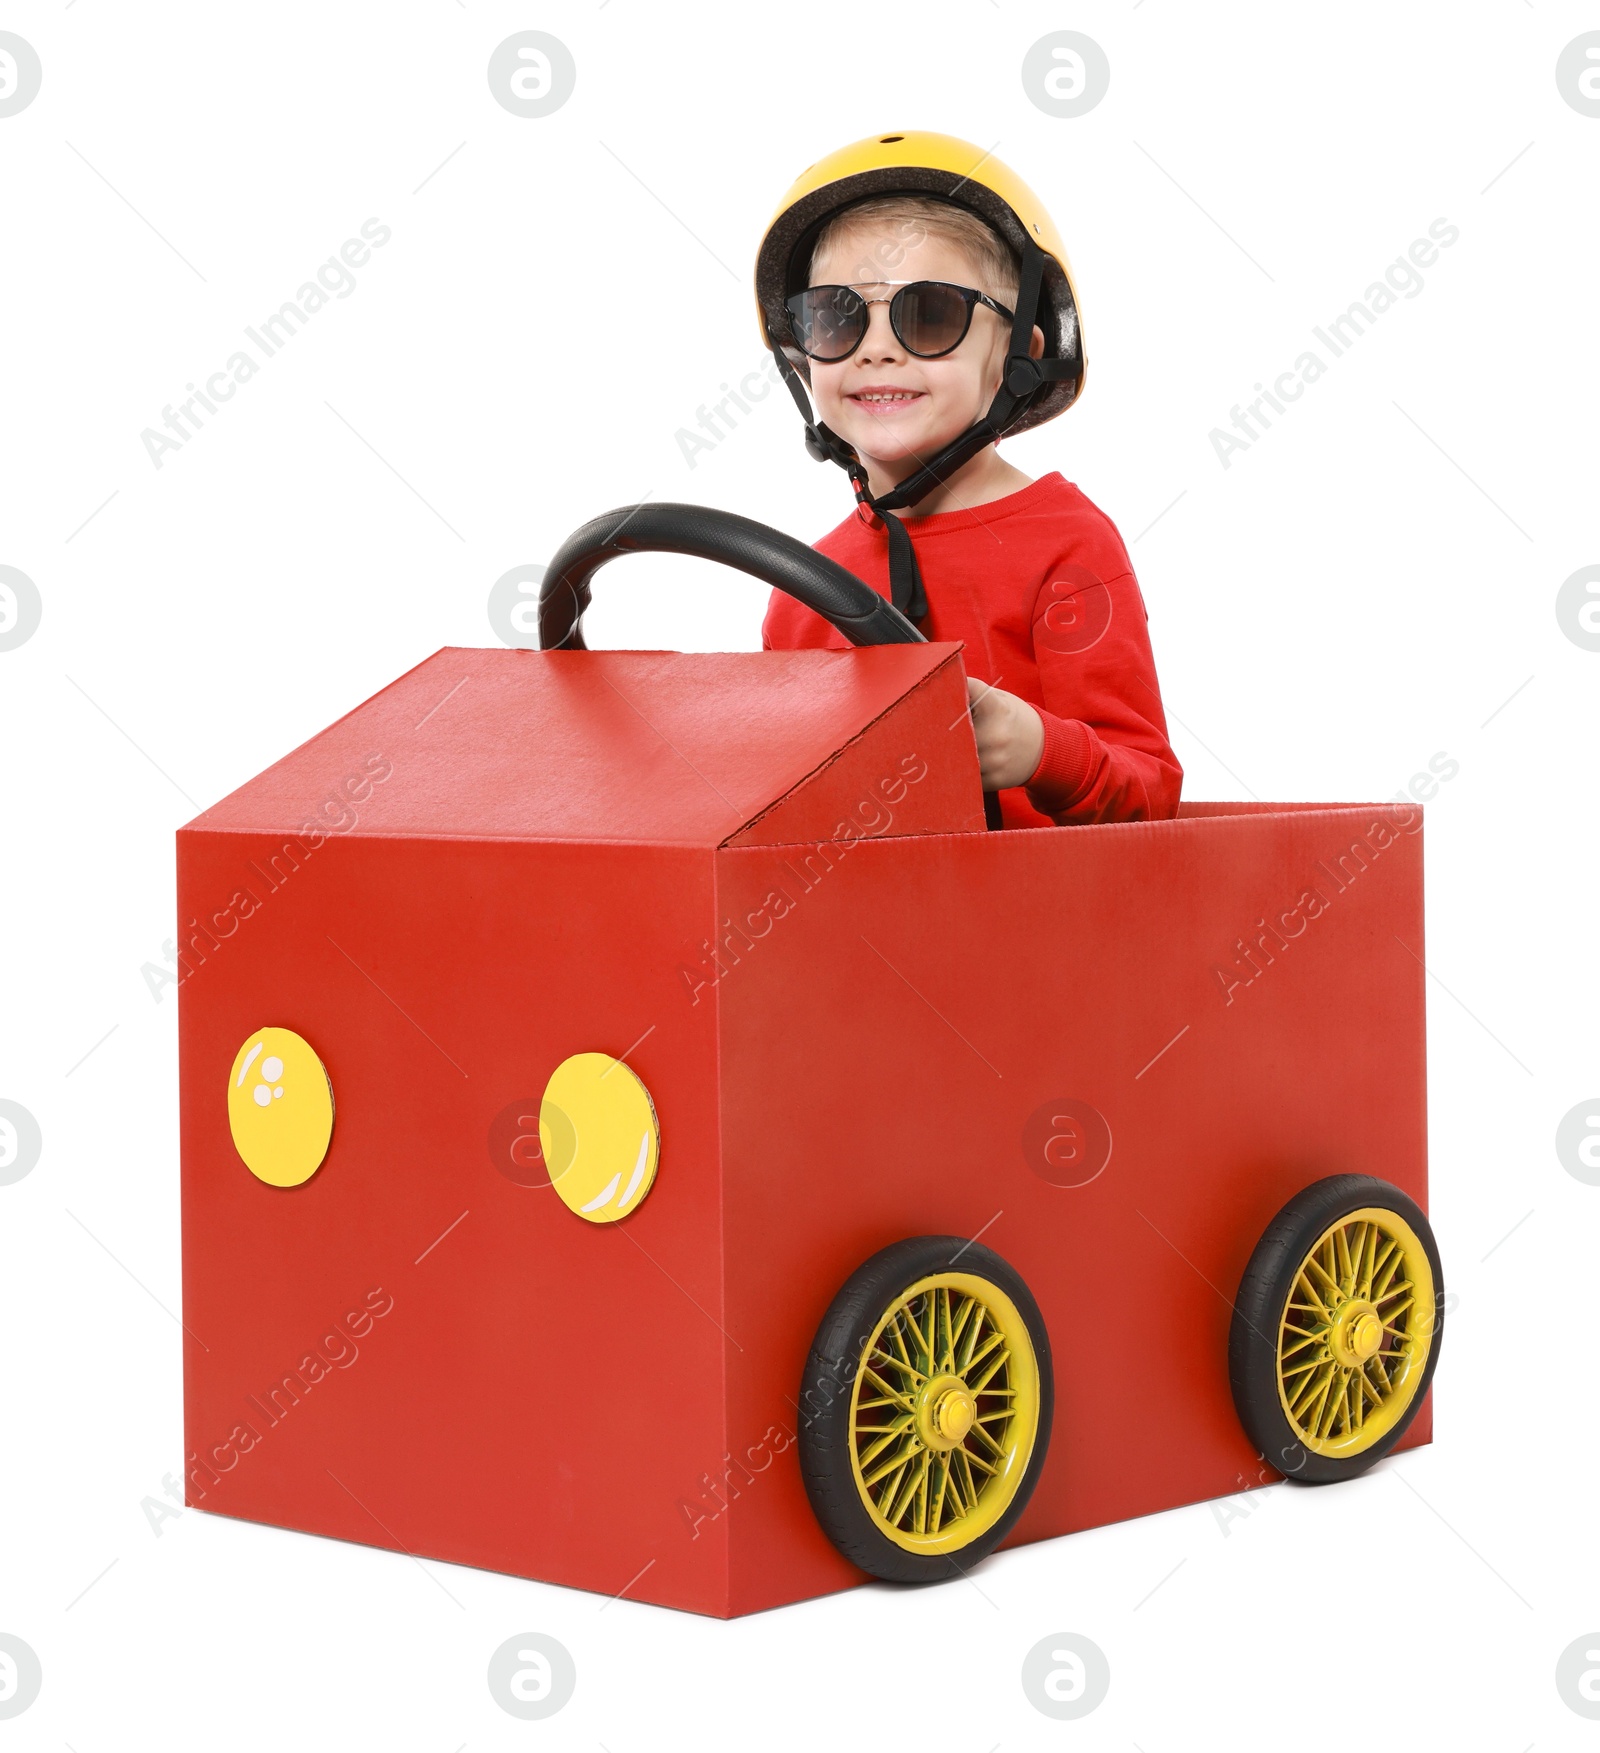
x=1022, y=378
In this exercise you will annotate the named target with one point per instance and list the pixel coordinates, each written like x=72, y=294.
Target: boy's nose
x=880, y=340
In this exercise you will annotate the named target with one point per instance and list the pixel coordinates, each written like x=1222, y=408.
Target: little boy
x=919, y=288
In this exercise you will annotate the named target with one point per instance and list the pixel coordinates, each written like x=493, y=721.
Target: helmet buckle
x=1023, y=375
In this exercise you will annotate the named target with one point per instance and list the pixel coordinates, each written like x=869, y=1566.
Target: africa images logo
x=1403, y=278
x=20, y=74
x=334, y=279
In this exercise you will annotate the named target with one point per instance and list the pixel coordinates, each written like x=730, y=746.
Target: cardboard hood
x=670, y=748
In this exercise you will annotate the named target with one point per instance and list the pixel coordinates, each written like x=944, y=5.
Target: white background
x=1368, y=585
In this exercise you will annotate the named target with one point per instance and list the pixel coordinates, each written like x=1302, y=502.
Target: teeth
x=898, y=396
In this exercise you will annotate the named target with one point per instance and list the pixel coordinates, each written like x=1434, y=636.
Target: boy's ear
x=1036, y=343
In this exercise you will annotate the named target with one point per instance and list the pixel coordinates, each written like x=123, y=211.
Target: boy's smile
x=880, y=399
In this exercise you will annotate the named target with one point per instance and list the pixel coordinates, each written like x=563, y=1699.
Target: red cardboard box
x=763, y=879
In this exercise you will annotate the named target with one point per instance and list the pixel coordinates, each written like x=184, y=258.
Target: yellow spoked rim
x=944, y=1412
x=1356, y=1333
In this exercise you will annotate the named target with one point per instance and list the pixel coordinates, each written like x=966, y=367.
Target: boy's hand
x=1010, y=736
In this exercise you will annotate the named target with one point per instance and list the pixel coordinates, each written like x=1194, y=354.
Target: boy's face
x=895, y=409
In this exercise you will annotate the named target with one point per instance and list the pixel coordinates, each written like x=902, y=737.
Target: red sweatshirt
x=1038, y=588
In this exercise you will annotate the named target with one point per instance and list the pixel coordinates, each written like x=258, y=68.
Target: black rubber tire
x=1258, y=1310
x=825, y=1396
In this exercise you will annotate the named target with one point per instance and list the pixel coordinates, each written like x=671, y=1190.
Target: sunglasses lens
x=930, y=318
x=828, y=321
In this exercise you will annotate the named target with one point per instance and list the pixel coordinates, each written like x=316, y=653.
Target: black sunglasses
x=929, y=317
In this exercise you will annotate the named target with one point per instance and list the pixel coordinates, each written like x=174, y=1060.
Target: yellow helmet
x=952, y=170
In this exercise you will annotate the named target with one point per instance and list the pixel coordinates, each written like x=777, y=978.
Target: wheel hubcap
x=944, y=1412
x=1356, y=1333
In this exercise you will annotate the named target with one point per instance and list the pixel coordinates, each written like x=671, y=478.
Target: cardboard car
x=643, y=1131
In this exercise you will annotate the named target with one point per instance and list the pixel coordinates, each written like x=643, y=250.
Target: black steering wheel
x=842, y=599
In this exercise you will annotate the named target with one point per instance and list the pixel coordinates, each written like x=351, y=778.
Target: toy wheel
x=1336, y=1329
x=927, y=1405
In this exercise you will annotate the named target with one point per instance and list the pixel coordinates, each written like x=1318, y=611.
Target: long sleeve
x=1106, y=753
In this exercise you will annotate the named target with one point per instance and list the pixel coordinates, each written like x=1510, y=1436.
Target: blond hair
x=910, y=218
